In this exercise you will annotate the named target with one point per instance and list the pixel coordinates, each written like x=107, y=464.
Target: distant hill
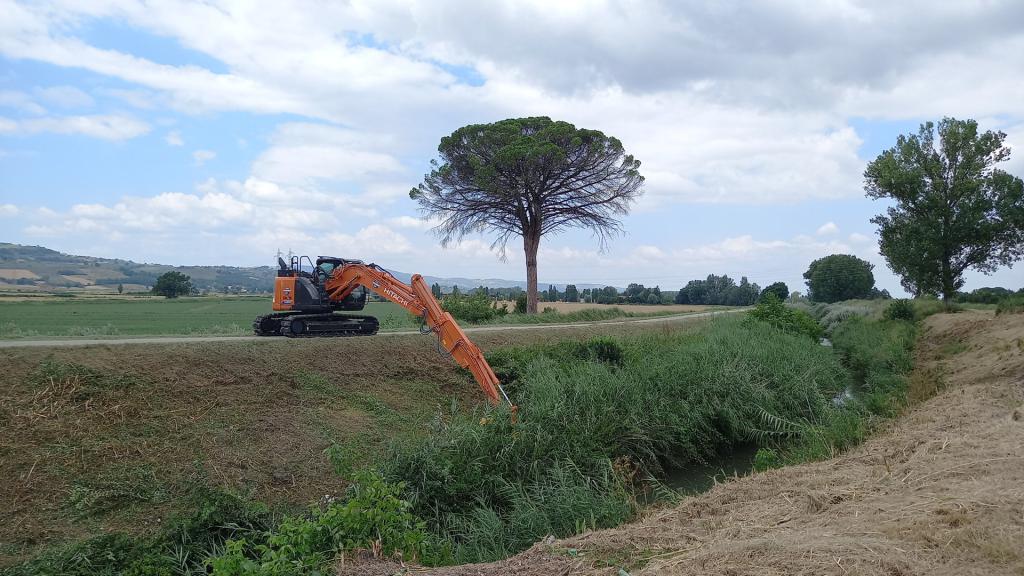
x=35, y=268
x=38, y=268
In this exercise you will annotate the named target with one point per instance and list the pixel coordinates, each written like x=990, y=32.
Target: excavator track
x=297, y=325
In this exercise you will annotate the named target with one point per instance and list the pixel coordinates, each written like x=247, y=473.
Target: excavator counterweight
x=306, y=301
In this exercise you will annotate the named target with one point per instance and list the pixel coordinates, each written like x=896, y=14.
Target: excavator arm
x=417, y=299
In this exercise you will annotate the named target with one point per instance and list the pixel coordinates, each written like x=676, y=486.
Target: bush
x=900, y=310
x=521, y=303
x=772, y=311
x=470, y=308
x=373, y=516
x=1011, y=305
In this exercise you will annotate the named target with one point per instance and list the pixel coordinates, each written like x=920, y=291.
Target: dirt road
x=63, y=343
x=940, y=490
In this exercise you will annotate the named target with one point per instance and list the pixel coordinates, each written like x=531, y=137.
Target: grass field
x=69, y=317
x=56, y=317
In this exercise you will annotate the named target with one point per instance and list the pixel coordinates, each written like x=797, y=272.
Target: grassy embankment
x=598, y=422
x=215, y=315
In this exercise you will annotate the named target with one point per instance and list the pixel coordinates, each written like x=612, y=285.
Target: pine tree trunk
x=530, y=244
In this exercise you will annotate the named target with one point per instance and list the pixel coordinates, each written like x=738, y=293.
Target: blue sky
x=193, y=133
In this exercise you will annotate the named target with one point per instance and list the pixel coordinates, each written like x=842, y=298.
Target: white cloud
x=173, y=138
x=65, y=97
x=305, y=154
x=412, y=223
x=20, y=101
x=733, y=104
x=104, y=126
x=8, y=210
x=723, y=102
x=142, y=99
x=827, y=229
x=203, y=156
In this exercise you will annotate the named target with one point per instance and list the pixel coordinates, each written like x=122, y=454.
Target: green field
x=63, y=317
x=70, y=317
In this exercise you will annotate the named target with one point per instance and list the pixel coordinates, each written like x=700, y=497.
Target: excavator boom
x=418, y=300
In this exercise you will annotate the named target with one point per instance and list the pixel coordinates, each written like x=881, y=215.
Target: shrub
x=772, y=311
x=1011, y=305
x=470, y=308
x=521, y=303
x=900, y=310
x=373, y=516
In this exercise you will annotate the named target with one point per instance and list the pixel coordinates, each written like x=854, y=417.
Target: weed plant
x=593, y=417
x=1011, y=305
x=182, y=547
x=373, y=516
x=879, y=356
x=900, y=310
x=772, y=311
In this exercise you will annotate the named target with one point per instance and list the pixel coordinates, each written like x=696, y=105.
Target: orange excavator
x=307, y=297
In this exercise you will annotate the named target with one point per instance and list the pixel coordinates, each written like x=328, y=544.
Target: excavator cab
x=299, y=286
x=305, y=309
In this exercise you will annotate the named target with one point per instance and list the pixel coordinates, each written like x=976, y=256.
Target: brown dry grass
x=939, y=491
